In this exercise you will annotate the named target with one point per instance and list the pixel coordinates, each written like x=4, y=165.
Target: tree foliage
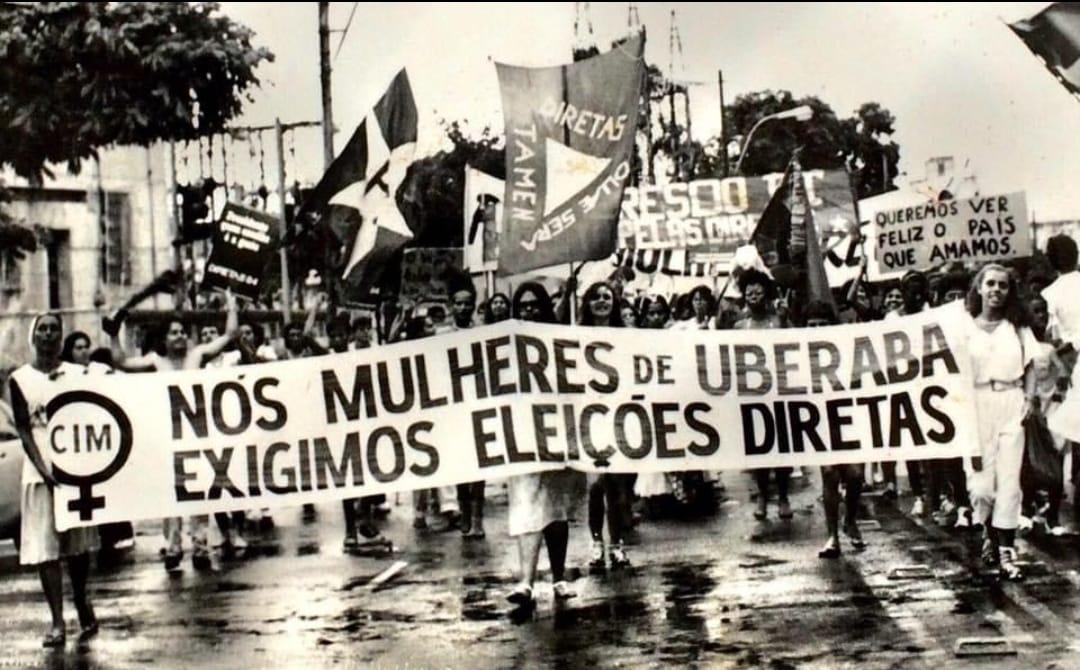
x=859, y=143
x=79, y=76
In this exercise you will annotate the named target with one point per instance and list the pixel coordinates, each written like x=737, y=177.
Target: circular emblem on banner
x=89, y=440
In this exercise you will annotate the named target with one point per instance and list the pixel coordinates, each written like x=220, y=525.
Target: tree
x=860, y=143
x=79, y=76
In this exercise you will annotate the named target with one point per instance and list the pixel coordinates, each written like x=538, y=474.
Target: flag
x=786, y=238
x=569, y=142
x=1054, y=36
x=359, y=218
x=482, y=209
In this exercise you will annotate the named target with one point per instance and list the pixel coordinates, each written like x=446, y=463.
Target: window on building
x=116, y=240
x=10, y=274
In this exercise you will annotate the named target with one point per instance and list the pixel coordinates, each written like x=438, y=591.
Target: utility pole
x=286, y=290
x=324, y=80
x=723, y=124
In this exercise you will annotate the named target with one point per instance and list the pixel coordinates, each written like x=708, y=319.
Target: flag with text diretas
x=356, y=198
x=1054, y=36
x=569, y=143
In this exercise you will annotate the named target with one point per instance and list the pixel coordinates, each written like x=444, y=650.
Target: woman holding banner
x=1002, y=348
x=541, y=504
x=32, y=386
x=759, y=292
x=833, y=477
x=613, y=491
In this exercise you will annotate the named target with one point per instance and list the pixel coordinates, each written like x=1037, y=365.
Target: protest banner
x=719, y=215
x=919, y=237
x=504, y=400
x=425, y=273
x=569, y=144
x=242, y=249
x=483, y=220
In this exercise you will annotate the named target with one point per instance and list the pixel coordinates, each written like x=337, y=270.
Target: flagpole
x=286, y=292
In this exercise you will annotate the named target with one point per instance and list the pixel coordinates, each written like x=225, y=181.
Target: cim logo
x=90, y=440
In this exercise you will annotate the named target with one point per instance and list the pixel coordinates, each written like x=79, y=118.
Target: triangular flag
x=568, y=172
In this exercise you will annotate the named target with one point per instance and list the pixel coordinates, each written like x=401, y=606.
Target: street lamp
x=800, y=113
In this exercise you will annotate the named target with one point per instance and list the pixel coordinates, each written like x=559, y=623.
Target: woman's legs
x=830, y=496
x=79, y=571
x=528, y=555
x=52, y=583
x=596, y=509
x=557, y=538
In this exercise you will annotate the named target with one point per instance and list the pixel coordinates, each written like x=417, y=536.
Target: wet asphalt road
x=724, y=591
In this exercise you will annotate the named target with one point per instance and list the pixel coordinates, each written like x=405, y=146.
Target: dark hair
x=547, y=311
x=706, y=292
x=1061, y=252
x=102, y=355
x=69, y=344
x=362, y=321
x=1016, y=311
x=414, y=327
x=752, y=276
x=339, y=323
x=624, y=304
x=646, y=303
x=293, y=325
x=819, y=309
x=488, y=316
x=916, y=276
x=459, y=281
x=955, y=280
x=586, y=316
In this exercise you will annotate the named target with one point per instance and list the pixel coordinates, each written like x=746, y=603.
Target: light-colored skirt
x=40, y=542
x=539, y=499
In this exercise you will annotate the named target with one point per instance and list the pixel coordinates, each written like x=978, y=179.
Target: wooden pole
x=286, y=292
x=324, y=81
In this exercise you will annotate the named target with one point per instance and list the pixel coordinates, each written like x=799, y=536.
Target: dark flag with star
x=359, y=225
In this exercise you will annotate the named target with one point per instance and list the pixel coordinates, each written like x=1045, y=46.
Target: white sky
x=956, y=78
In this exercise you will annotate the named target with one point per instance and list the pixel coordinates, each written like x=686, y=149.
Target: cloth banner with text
x=569, y=145
x=932, y=234
x=503, y=400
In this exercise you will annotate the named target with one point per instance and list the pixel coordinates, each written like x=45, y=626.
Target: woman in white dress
x=542, y=504
x=1002, y=347
x=32, y=386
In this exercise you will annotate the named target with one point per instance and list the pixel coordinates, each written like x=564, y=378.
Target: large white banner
x=503, y=400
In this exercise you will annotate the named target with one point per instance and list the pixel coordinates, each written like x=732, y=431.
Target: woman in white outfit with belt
x=1001, y=346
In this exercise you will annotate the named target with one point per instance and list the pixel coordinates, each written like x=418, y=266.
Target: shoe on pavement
x=522, y=595
x=762, y=510
x=1009, y=569
x=830, y=550
x=946, y=506
x=618, y=557
x=785, y=510
x=596, y=560
x=562, y=591
x=1025, y=525
x=991, y=556
x=918, y=508
x=1058, y=531
x=419, y=523
x=854, y=536
x=890, y=491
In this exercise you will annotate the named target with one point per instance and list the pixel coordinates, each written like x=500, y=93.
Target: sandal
x=990, y=555
x=89, y=631
x=785, y=510
x=830, y=550
x=522, y=595
x=55, y=638
x=350, y=542
x=854, y=536
x=1010, y=571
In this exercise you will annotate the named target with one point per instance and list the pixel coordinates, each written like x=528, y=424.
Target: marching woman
x=608, y=491
x=32, y=386
x=541, y=504
x=759, y=291
x=1002, y=347
x=834, y=476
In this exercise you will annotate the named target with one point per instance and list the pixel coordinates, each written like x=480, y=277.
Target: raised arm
x=129, y=363
x=211, y=349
